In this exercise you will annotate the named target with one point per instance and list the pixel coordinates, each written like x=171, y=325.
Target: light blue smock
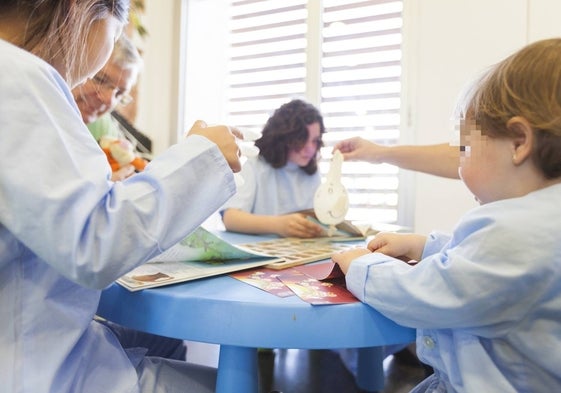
x=486, y=301
x=271, y=191
x=66, y=231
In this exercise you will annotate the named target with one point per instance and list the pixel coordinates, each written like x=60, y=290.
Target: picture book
x=297, y=251
x=201, y=254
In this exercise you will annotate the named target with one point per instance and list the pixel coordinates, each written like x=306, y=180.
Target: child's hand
x=225, y=138
x=296, y=225
x=406, y=247
x=344, y=259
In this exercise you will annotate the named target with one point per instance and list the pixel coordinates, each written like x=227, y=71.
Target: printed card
x=264, y=279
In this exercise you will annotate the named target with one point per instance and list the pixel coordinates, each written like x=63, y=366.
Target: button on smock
x=428, y=342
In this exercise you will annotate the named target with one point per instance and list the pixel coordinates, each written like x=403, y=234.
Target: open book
x=351, y=230
x=201, y=254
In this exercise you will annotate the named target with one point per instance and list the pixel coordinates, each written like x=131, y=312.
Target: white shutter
x=344, y=56
x=360, y=95
x=267, y=58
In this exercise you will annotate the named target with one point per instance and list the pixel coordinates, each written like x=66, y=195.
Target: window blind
x=266, y=58
x=344, y=56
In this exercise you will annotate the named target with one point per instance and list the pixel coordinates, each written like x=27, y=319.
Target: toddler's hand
x=344, y=259
x=404, y=246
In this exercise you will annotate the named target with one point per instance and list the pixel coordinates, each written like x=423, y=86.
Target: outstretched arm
x=439, y=160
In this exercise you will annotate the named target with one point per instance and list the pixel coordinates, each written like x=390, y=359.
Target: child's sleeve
x=357, y=277
x=436, y=241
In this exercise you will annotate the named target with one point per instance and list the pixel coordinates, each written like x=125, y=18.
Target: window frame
x=405, y=191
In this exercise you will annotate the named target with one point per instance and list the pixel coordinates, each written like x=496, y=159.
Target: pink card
x=317, y=284
x=321, y=271
x=317, y=292
x=265, y=279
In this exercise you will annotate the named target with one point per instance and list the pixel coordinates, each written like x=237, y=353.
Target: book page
x=202, y=245
x=200, y=254
x=156, y=274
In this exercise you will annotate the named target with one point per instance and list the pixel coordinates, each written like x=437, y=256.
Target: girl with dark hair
x=283, y=178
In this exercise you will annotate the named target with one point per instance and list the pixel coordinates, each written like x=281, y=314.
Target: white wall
x=452, y=41
x=159, y=109
x=447, y=43
x=208, y=102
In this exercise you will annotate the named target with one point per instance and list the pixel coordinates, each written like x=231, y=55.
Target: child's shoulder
x=538, y=211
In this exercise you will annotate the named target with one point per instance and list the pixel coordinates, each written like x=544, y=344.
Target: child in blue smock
x=283, y=178
x=486, y=300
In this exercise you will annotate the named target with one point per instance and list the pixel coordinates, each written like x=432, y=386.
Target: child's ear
x=522, y=136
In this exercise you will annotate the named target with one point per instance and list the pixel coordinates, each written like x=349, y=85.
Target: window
x=344, y=56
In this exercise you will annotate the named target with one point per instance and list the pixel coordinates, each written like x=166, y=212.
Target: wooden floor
x=322, y=371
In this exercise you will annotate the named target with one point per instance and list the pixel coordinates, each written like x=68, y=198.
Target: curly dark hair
x=287, y=129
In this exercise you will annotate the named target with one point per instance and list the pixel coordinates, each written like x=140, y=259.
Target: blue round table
x=239, y=317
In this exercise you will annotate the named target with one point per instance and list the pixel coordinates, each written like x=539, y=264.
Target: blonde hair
x=526, y=84
x=58, y=29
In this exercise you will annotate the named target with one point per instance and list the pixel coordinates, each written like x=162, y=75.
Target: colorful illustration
x=264, y=279
x=318, y=284
x=201, y=245
x=317, y=292
x=154, y=277
x=199, y=255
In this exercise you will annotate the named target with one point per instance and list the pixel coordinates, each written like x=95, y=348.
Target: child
x=487, y=300
x=283, y=178
x=66, y=230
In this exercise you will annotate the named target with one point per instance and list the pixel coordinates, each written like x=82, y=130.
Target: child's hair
x=56, y=27
x=287, y=129
x=526, y=84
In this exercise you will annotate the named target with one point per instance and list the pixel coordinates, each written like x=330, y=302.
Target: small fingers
x=303, y=228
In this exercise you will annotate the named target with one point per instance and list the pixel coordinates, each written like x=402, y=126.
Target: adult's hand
x=122, y=173
x=225, y=138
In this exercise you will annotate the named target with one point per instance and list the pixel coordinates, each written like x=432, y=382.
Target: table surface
x=223, y=310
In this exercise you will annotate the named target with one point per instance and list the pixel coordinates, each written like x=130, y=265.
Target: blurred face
x=308, y=152
x=485, y=164
x=104, y=91
x=99, y=45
